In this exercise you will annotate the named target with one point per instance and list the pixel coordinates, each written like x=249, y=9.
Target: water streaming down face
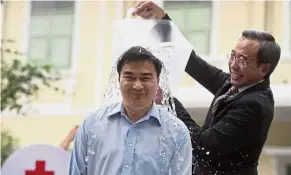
x=113, y=95
x=161, y=37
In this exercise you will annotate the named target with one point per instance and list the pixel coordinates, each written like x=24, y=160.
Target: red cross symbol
x=39, y=169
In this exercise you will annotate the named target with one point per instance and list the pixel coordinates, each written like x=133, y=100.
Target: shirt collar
x=248, y=86
x=116, y=109
x=153, y=112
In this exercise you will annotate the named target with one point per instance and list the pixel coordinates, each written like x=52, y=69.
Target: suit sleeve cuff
x=166, y=17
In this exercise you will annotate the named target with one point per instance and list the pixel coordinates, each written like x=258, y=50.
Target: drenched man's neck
x=133, y=114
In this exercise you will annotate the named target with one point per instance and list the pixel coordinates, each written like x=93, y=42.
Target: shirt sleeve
x=78, y=164
x=181, y=164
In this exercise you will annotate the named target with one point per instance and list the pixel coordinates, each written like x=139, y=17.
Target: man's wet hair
x=138, y=53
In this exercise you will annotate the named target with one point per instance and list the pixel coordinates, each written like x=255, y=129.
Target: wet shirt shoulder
x=109, y=143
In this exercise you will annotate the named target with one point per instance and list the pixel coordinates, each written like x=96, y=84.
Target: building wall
x=14, y=24
x=87, y=54
x=93, y=64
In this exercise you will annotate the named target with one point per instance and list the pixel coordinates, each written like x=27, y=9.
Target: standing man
x=237, y=123
x=135, y=136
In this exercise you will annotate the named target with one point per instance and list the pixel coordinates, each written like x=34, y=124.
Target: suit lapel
x=232, y=98
x=213, y=118
x=262, y=85
x=221, y=91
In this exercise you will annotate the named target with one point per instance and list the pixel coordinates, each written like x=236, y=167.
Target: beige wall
x=14, y=25
x=279, y=134
x=232, y=25
x=87, y=54
x=233, y=18
x=266, y=166
x=45, y=129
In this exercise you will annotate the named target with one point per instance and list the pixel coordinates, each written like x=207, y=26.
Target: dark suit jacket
x=230, y=140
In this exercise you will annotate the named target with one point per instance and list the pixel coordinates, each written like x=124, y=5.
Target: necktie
x=232, y=91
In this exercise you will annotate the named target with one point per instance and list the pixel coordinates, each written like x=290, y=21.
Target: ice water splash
x=161, y=37
x=167, y=97
x=112, y=93
x=164, y=52
x=165, y=151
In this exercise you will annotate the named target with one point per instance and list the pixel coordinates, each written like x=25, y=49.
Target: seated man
x=134, y=136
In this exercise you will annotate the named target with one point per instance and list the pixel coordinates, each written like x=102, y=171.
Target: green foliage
x=8, y=145
x=20, y=80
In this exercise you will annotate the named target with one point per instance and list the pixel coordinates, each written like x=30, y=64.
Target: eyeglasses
x=240, y=61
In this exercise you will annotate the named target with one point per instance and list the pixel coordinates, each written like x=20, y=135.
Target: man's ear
x=266, y=68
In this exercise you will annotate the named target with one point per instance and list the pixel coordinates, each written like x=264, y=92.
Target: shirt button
x=126, y=166
x=130, y=145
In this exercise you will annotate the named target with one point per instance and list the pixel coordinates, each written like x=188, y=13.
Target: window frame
x=49, y=38
x=187, y=7
x=214, y=32
x=68, y=75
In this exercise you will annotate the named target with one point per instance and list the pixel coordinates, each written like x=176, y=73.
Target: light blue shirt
x=108, y=143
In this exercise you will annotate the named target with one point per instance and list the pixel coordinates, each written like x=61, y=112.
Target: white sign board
x=37, y=160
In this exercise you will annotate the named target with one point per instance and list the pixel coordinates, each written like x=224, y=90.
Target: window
x=51, y=31
x=193, y=18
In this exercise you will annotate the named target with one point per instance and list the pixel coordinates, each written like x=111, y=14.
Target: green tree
x=8, y=144
x=20, y=80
